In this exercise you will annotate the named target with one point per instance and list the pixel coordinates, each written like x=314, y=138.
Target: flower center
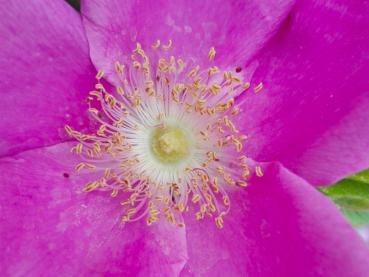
x=166, y=139
x=169, y=144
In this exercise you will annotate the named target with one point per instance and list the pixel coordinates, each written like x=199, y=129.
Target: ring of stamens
x=166, y=137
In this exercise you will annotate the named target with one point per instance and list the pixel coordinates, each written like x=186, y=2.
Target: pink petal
x=279, y=226
x=49, y=226
x=237, y=29
x=45, y=73
x=313, y=113
x=364, y=233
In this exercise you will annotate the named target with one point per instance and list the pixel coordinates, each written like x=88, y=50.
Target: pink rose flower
x=307, y=127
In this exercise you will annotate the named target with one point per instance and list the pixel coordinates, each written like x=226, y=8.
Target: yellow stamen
x=168, y=45
x=211, y=53
x=259, y=87
x=259, y=171
x=99, y=74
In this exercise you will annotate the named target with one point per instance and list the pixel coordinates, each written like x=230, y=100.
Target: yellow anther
x=212, y=155
x=215, y=89
x=204, y=135
x=226, y=75
x=89, y=152
x=220, y=130
x=93, y=110
x=235, y=111
x=78, y=148
x=220, y=169
x=107, y=172
x=96, y=147
x=180, y=63
x=242, y=158
x=219, y=222
x=245, y=86
x=170, y=217
x=100, y=87
x=114, y=193
x=241, y=183
x=90, y=186
x=131, y=211
x=136, y=65
x=101, y=130
x=193, y=72
x=204, y=178
x=213, y=70
x=258, y=171
x=82, y=165
x=228, y=179
x=208, y=198
x=212, y=207
x=149, y=221
x=235, y=78
x=99, y=74
x=180, y=207
x=68, y=129
x=237, y=143
x=125, y=219
x=230, y=103
x=95, y=93
x=126, y=202
x=230, y=124
x=226, y=200
x=156, y=44
x=242, y=137
x=168, y=45
x=118, y=68
x=215, y=185
x=138, y=48
x=203, y=208
x=259, y=87
x=199, y=215
x=245, y=172
x=211, y=53
x=172, y=60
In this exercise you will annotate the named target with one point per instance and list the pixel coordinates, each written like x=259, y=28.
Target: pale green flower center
x=169, y=144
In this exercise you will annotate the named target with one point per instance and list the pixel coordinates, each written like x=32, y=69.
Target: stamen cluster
x=131, y=159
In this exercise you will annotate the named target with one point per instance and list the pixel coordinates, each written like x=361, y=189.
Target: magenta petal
x=279, y=226
x=49, y=226
x=45, y=73
x=313, y=114
x=237, y=29
x=364, y=233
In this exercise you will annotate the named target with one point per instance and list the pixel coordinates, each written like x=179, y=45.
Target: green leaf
x=352, y=196
x=356, y=218
x=75, y=4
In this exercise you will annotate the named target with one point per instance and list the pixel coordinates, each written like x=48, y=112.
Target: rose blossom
x=306, y=127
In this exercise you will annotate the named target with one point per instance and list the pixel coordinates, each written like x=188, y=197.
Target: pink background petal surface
x=313, y=114
x=49, y=226
x=45, y=73
x=312, y=117
x=237, y=29
x=279, y=226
